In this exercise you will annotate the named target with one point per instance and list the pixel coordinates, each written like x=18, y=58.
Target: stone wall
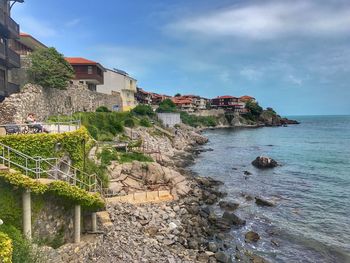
x=44, y=102
x=169, y=119
x=212, y=112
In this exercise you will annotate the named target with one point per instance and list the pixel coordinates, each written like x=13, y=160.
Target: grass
x=198, y=121
x=133, y=156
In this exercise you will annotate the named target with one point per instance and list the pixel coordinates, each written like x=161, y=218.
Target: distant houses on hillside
x=16, y=47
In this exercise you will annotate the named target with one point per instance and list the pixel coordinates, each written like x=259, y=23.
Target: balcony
x=8, y=26
x=14, y=60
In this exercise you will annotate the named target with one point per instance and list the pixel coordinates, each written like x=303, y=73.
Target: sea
x=311, y=188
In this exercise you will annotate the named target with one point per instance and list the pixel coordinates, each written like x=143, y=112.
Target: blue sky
x=291, y=55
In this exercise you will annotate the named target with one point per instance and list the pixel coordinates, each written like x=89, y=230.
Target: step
x=4, y=168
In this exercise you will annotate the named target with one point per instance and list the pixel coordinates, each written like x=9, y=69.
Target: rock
x=193, y=244
x=223, y=257
x=247, y=173
x=252, y=236
x=212, y=247
x=233, y=219
x=263, y=162
x=227, y=205
x=263, y=202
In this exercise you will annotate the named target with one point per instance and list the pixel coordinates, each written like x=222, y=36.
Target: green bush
x=133, y=156
x=167, y=106
x=254, y=108
x=143, y=110
x=129, y=122
x=22, y=248
x=198, y=121
x=50, y=69
x=105, y=137
x=145, y=122
x=107, y=155
x=102, y=109
x=6, y=248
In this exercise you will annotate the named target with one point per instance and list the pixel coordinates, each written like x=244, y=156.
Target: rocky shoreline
x=184, y=230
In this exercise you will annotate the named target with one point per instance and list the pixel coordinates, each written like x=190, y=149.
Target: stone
x=263, y=162
x=233, y=219
x=252, y=236
x=212, y=246
x=263, y=202
x=222, y=257
x=227, y=205
x=247, y=173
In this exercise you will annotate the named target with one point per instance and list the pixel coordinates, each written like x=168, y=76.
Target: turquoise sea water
x=311, y=222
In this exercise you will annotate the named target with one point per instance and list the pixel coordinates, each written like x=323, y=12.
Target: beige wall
x=125, y=85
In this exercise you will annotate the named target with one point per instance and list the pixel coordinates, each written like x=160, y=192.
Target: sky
x=292, y=55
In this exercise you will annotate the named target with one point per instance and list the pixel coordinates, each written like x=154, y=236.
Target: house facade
x=23, y=46
x=199, y=103
x=143, y=97
x=9, y=59
x=228, y=103
x=87, y=72
x=247, y=98
x=184, y=104
x=120, y=81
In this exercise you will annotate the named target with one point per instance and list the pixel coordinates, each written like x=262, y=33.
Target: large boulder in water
x=263, y=162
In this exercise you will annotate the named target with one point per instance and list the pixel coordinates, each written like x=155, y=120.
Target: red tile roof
x=246, y=97
x=80, y=61
x=24, y=34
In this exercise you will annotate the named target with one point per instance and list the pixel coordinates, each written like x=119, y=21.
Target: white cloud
x=250, y=73
x=294, y=80
x=269, y=20
x=36, y=27
x=73, y=22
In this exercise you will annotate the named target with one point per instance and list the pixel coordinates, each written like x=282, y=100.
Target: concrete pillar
x=27, y=214
x=94, y=222
x=77, y=218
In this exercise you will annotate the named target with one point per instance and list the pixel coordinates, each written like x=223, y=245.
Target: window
x=89, y=70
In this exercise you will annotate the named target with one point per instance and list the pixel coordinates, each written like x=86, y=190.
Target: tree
x=167, y=105
x=177, y=95
x=143, y=110
x=254, y=108
x=49, y=69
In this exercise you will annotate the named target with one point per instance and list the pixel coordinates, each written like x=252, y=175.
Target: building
x=158, y=98
x=119, y=81
x=23, y=46
x=247, y=98
x=87, y=72
x=143, y=97
x=9, y=59
x=199, y=103
x=184, y=104
x=228, y=103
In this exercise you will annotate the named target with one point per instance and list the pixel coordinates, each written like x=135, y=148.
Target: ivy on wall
x=5, y=248
x=74, y=194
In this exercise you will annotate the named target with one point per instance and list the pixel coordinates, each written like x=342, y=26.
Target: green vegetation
x=129, y=122
x=57, y=188
x=143, y=110
x=254, y=111
x=6, y=248
x=49, y=69
x=102, y=109
x=177, y=95
x=167, y=106
x=198, y=121
x=145, y=122
x=133, y=156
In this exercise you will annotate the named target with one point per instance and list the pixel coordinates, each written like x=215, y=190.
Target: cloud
x=250, y=73
x=294, y=80
x=263, y=20
x=73, y=22
x=36, y=27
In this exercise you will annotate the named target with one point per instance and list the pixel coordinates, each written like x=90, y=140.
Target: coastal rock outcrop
x=263, y=202
x=263, y=162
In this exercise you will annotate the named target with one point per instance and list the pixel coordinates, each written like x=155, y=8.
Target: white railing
x=39, y=168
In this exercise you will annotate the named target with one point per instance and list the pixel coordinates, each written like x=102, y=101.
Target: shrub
x=107, y=155
x=5, y=248
x=196, y=121
x=102, y=109
x=105, y=137
x=133, y=156
x=129, y=122
x=254, y=108
x=50, y=69
x=145, y=122
x=167, y=106
x=143, y=110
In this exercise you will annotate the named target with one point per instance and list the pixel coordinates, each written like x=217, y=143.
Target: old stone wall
x=212, y=112
x=44, y=102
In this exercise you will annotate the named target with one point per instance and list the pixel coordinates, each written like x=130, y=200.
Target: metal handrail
x=49, y=167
